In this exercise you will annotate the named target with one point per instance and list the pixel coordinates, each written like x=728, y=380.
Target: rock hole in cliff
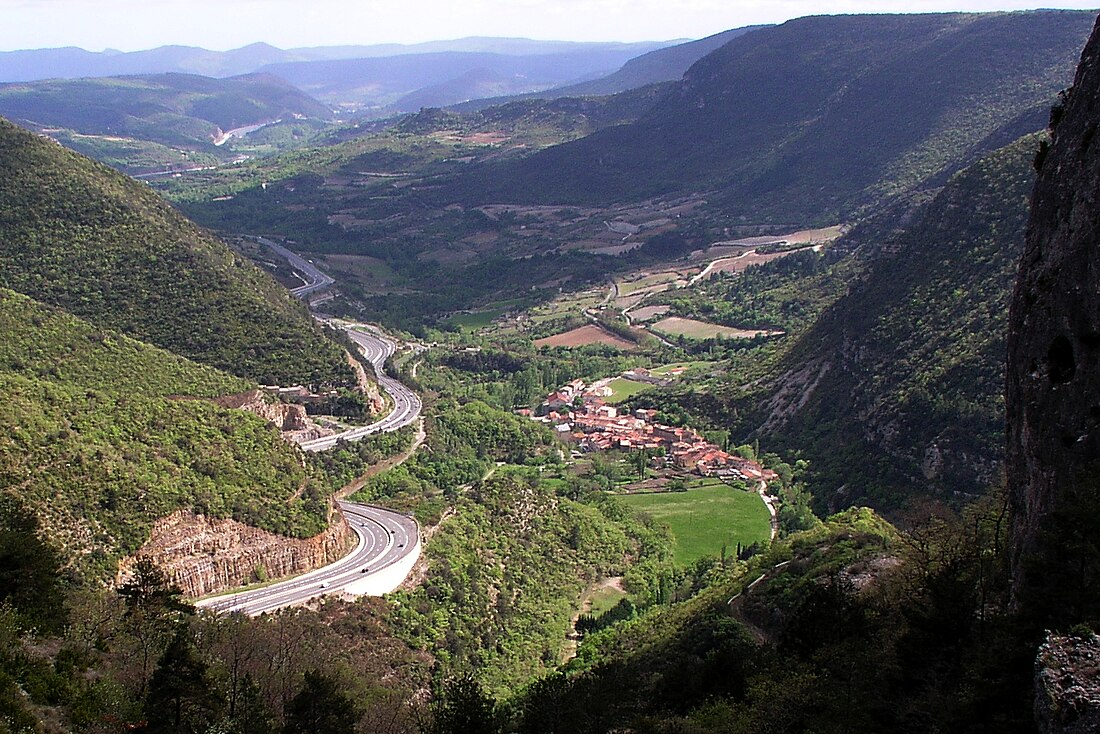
x=1086, y=139
x=1061, y=365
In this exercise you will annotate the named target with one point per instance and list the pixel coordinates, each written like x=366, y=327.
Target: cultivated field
x=588, y=334
x=374, y=275
x=648, y=282
x=692, y=329
x=704, y=519
x=647, y=313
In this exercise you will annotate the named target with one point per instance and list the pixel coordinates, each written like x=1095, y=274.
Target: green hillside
x=817, y=118
x=82, y=237
x=848, y=627
x=101, y=436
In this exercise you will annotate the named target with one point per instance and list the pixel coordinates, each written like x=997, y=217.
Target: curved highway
x=386, y=538
x=406, y=404
x=372, y=344
x=388, y=542
x=314, y=278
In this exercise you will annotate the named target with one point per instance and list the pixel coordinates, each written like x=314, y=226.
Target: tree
x=181, y=697
x=150, y=593
x=250, y=715
x=640, y=460
x=154, y=610
x=464, y=708
x=29, y=569
x=320, y=707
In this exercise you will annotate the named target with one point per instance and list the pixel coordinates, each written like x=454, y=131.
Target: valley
x=498, y=385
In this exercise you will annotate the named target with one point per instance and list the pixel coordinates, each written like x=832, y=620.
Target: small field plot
x=705, y=518
x=622, y=388
x=677, y=368
x=648, y=281
x=372, y=274
x=483, y=318
x=648, y=313
x=692, y=329
x=605, y=597
x=571, y=304
x=589, y=334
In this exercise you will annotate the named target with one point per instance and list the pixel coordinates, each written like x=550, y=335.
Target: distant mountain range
x=371, y=76
x=667, y=64
x=72, y=62
x=159, y=121
x=155, y=104
x=404, y=83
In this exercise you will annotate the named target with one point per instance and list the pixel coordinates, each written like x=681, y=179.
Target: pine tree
x=320, y=708
x=181, y=697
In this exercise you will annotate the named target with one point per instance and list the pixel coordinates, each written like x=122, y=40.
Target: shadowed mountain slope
x=817, y=118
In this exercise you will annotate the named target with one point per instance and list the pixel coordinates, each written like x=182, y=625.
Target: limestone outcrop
x=1067, y=685
x=203, y=555
x=291, y=419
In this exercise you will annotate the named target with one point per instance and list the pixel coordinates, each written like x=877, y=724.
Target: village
x=579, y=413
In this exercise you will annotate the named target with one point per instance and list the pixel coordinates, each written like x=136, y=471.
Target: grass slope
x=78, y=235
x=707, y=519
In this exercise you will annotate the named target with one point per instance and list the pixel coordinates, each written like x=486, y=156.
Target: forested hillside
x=897, y=388
x=818, y=118
x=102, y=435
x=80, y=236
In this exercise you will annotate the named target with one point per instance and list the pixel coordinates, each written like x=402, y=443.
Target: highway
x=372, y=344
x=406, y=404
x=315, y=279
x=388, y=542
x=386, y=539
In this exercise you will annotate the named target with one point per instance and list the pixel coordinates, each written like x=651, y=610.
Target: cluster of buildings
x=580, y=414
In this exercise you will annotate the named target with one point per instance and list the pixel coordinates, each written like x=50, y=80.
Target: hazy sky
x=130, y=25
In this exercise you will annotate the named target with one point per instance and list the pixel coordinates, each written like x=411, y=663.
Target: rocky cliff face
x=291, y=420
x=1053, y=370
x=203, y=555
x=1067, y=685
